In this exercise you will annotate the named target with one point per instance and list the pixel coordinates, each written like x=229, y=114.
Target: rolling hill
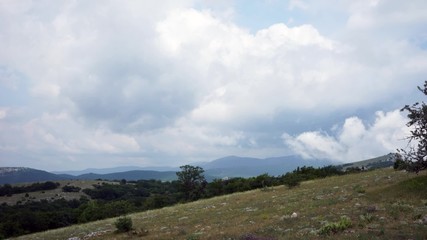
x=132, y=175
x=372, y=163
x=22, y=174
x=231, y=166
x=380, y=204
x=234, y=166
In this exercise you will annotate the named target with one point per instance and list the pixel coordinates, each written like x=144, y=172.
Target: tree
x=192, y=181
x=123, y=224
x=416, y=156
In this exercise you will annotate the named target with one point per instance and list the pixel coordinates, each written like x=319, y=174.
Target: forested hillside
x=110, y=199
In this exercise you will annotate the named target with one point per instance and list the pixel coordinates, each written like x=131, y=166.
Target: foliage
x=69, y=188
x=400, y=164
x=335, y=227
x=293, y=179
x=8, y=190
x=37, y=216
x=416, y=156
x=353, y=170
x=96, y=210
x=123, y=224
x=192, y=181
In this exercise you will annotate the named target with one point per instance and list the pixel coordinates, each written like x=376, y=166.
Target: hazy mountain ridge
x=115, y=170
x=231, y=166
x=234, y=166
x=22, y=174
x=132, y=175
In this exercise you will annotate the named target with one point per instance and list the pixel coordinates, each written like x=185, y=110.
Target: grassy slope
x=378, y=203
x=51, y=194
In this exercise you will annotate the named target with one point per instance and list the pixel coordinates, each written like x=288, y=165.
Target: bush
x=123, y=224
x=70, y=189
x=292, y=180
x=336, y=227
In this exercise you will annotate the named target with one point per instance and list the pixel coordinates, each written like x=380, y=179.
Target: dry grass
x=371, y=200
x=51, y=194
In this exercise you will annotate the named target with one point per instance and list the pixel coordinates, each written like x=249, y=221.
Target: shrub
x=70, y=189
x=336, y=227
x=123, y=224
x=292, y=180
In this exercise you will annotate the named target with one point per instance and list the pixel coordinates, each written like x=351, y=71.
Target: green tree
x=416, y=156
x=123, y=224
x=192, y=181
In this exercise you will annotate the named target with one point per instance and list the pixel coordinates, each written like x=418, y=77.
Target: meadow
x=379, y=204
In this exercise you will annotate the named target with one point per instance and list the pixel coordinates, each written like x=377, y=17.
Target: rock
x=294, y=215
x=140, y=232
x=371, y=209
x=249, y=209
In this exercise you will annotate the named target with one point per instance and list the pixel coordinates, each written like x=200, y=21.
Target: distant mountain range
x=232, y=166
x=116, y=170
x=21, y=174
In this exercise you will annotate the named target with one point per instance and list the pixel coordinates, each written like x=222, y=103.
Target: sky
x=173, y=82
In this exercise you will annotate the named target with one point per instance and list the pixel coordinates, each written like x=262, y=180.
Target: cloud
x=3, y=113
x=293, y=4
x=377, y=14
x=354, y=140
x=181, y=81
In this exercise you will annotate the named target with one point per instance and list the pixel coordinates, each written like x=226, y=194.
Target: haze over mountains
x=231, y=166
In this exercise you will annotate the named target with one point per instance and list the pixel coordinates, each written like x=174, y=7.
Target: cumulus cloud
x=176, y=79
x=354, y=140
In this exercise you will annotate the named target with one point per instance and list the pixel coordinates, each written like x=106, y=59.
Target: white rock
x=294, y=215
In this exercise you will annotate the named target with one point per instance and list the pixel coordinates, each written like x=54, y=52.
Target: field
x=50, y=194
x=380, y=204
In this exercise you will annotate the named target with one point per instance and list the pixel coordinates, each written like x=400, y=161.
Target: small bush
x=193, y=237
x=367, y=217
x=123, y=224
x=292, y=180
x=71, y=189
x=359, y=189
x=335, y=227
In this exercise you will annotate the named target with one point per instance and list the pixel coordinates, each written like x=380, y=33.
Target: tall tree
x=192, y=181
x=416, y=157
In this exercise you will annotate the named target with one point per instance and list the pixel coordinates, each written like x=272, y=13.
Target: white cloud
x=377, y=14
x=168, y=79
x=355, y=140
x=3, y=113
x=298, y=4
